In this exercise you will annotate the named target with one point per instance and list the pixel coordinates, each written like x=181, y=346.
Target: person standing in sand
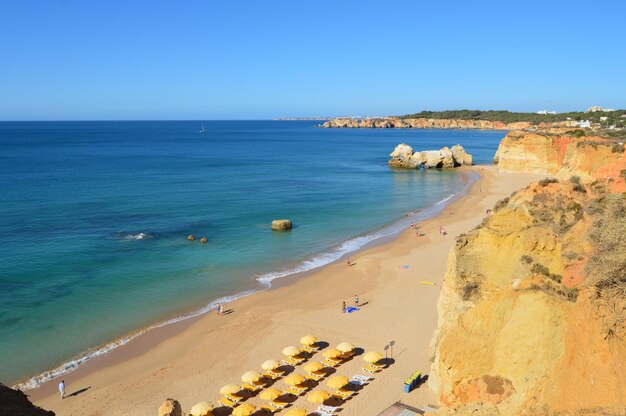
x=218, y=308
x=62, y=389
x=356, y=301
x=343, y=309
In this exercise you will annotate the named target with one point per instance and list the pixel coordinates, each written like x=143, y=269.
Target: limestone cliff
x=16, y=403
x=532, y=310
x=403, y=156
x=431, y=123
x=561, y=155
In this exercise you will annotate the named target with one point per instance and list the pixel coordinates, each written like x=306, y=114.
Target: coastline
x=113, y=379
x=278, y=278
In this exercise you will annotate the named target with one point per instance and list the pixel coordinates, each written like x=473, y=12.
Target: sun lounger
x=328, y=362
x=315, y=376
x=278, y=405
x=234, y=397
x=372, y=369
x=295, y=390
x=226, y=402
x=326, y=410
x=292, y=360
x=346, y=356
x=359, y=380
x=267, y=409
x=309, y=348
x=343, y=394
x=250, y=387
x=271, y=375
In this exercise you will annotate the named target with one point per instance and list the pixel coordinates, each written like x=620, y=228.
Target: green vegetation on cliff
x=613, y=117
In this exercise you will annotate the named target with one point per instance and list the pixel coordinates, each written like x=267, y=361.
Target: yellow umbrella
x=290, y=351
x=243, y=409
x=270, y=394
x=312, y=366
x=331, y=353
x=251, y=377
x=337, y=382
x=296, y=411
x=345, y=347
x=270, y=365
x=308, y=340
x=372, y=357
x=230, y=389
x=294, y=379
x=318, y=396
x=201, y=409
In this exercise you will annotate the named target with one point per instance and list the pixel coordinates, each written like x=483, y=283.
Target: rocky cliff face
x=430, y=123
x=403, y=156
x=16, y=403
x=532, y=311
x=561, y=155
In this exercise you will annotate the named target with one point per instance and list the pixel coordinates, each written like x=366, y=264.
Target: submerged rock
x=281, y=225
x=203, y=240
x=191, y=237
x=403, y=156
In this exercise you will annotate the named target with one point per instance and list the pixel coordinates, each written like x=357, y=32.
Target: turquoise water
x=94, y=218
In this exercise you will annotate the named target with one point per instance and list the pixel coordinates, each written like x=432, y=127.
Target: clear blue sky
x=229, y=59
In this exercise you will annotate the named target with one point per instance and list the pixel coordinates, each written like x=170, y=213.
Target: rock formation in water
x=560, y=154
x=403, y=156
x=281, y=225
x=532, y=310
x=16, y=403
x=433, y=123
x=170, y=407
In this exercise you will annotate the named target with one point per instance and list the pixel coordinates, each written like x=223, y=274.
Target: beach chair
x=371, y=369
x=234, y=397
x=309, y=348
x=295, y=390
x=271, y=375
x=329, y=362
x=346, y=356
x=294, y=361
x=315, y=376
x=343, y=394
x=326, y=410
x=278, y=405
x=250, y=387
x=226, y=402
x=360, y=380
x=268, y=409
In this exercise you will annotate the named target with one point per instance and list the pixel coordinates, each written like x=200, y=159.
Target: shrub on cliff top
x=576, y=133
x=548, y=181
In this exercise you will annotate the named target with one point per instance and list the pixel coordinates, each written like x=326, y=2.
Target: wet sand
x=191, y=360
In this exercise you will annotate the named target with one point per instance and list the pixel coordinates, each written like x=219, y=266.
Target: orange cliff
x=529, y=313
x=562, y=155
x=431, y=123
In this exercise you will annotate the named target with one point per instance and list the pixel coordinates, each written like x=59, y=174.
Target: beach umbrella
x=251, y=377
x=308, y=340
x=337, y=382
x=230, y=389
x=372, y=357
x=294, y=379
x=345, y=347
x=243, y=409
x=318, y=396
x=312, y=366
x=270, y=365
x=331, y=353
x=270, y=394
x=296, y=411
x=290, y=351
x=201, y=409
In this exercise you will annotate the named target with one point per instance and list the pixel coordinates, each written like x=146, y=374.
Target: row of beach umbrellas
x=318, y=396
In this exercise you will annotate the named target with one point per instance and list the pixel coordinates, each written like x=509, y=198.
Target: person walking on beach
x=356, y=301
x=218, y=308
x=62, y=389
x=343, y=309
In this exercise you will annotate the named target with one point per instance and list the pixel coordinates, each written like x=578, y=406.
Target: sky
x=260, y=59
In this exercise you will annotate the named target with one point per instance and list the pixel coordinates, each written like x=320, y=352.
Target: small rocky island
x=403, y=156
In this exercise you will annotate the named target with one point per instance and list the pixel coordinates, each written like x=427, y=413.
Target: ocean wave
x=315, y=262
x=132, y=236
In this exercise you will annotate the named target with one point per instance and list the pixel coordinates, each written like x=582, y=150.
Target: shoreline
x=285, y=276
x=159, y=351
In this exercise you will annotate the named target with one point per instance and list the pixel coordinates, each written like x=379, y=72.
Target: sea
x=94, y=219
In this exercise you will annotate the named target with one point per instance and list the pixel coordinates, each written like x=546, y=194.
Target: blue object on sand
x=351, y=309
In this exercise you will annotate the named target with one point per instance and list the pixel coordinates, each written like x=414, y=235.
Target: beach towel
x=351, y=309
x=405, y=266
x=424, y=282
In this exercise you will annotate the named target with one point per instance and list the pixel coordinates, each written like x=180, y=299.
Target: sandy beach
x=191, y=360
